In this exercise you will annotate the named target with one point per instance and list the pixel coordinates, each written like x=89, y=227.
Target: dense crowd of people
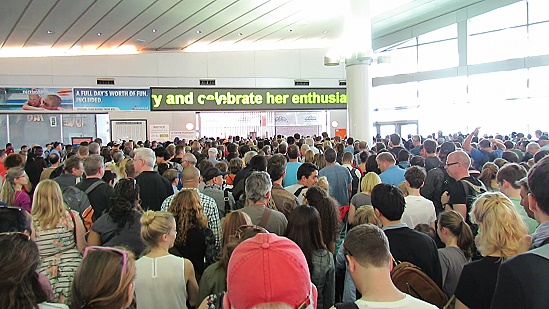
x=453, y=221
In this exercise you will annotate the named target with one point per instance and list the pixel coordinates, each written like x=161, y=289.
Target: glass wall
x=28, y=129
x=495, y=83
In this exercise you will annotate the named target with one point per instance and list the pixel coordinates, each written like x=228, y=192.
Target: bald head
x=457, y=164
x=461, y=157
x=190, y=177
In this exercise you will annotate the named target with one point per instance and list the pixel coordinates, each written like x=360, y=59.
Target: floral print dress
x=59, y=256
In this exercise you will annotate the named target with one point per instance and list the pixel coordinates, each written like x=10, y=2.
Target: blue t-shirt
x=350, y=149
x=291, y=174
x=339, y=179
x=393, y=175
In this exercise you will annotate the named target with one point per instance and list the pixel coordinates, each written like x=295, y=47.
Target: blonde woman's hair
x=99, y=281
x=154, y=224
x=369, y=181
x=500, y=226
x=323, y=183
x=310, y=156
x=188, y=212
x=366, y=214
x=7, y=195
x=47, y=204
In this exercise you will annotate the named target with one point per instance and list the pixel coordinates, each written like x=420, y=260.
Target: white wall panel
x=182, y=64
x=132, y=65
x=84, y=65
x=278, y=64
x=231, y=64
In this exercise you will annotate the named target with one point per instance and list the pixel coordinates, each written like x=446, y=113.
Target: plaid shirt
x=210, y=210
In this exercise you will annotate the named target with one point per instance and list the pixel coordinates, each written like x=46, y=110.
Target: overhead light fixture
x=49, y=32
x=290, y=30
x=98, y=33
x=325, y=31
x=154, y=30
x=240, y=34
x=198, y=31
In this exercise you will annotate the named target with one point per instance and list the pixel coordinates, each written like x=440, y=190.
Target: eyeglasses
x=346, y=251
x=243, y=228
x=131, y=180
x=450, y=164
x=121, y=252
x=25, y=236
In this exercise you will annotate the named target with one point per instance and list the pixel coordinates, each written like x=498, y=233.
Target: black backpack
x=355, y=183
x=471, y=193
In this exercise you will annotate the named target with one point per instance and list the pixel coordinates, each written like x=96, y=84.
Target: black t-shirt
x=408, y=245
x=477, y=282
x=522, y=283
x=99, y=197
x=431, y=162
x=153, y=190
x=458, y=195
x=198, y=248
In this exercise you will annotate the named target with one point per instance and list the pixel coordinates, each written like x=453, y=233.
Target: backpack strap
x=298, y=191
x=265, y=218
x=478, y=189
x=349, y=305
x=542, y=251
x=226, y=199
x=93, y=186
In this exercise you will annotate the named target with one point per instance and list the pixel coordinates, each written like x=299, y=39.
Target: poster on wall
x=128, y=130
x=36, y=99
x=160, y=132
x=188, y=135
x=96, y=99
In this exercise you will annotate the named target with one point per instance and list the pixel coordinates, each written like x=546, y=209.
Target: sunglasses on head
x=123, y=253
x=25, y=236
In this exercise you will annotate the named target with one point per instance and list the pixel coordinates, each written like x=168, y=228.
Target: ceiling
x=195, y=25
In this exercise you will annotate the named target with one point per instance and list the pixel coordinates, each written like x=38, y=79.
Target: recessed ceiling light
x=98, y=33
x=50, y=32
x=325, y=31
x=140, y=41
x=154, y=30
x=198, y=31
x=290, y=30
x=240, y=34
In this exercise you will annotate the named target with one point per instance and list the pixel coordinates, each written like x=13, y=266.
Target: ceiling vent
x=301, y=82
x=105, y=81
x=207, y=82
x=343, y=83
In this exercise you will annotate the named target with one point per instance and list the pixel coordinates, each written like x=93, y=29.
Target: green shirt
x=531, y=223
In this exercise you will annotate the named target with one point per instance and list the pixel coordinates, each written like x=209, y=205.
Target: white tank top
x=160, y=282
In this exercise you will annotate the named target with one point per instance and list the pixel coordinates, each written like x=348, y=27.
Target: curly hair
x=122, y=204
x=188, y=213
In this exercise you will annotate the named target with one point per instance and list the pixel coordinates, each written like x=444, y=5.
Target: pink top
x=22, y=200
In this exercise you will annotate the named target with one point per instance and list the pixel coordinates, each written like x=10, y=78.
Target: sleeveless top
x=161, y=280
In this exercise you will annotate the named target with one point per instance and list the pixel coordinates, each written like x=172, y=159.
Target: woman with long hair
x=458, y=251
x=104, y=280
x=120, y=225
x=214, y=278
x=329, y=216
x=195, y=241
x=367, y=184
x=502, y=235
x=163, y=278
x=304, y=228
x=21, y=286
x=35, y=165
x=488, y=176
x=59, y=235
x=12, y=190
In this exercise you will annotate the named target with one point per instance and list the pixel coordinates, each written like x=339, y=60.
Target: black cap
x=212, y=172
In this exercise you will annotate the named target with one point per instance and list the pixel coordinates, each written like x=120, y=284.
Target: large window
x=499, y=97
